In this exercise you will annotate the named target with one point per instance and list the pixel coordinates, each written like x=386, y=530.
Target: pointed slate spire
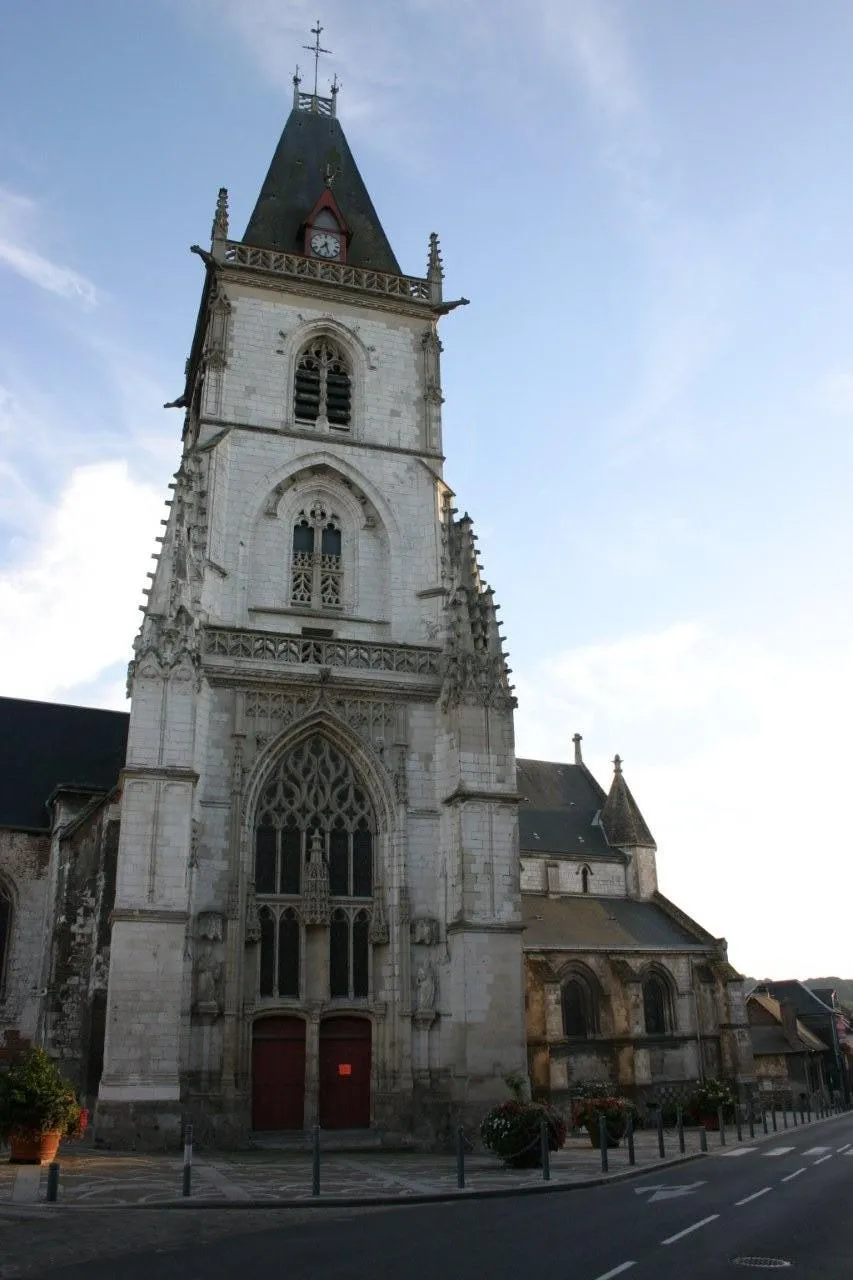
x=623, y=823
x=311, y=146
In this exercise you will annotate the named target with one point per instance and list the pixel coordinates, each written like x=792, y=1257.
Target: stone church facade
x=296, y=897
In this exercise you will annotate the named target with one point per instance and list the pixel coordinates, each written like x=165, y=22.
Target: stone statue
x=425, y=989
x=208, y=976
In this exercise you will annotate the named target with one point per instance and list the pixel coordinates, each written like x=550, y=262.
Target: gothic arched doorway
x=278, y=1073
x=345, y=1058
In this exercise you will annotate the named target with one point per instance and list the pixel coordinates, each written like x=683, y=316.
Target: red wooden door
x=345, y=1073
x=278, y=1073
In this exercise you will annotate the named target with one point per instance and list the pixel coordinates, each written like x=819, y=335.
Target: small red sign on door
x=344, y=1068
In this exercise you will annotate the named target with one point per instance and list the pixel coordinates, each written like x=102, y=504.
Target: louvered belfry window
x=323, y=385
x=316, y=575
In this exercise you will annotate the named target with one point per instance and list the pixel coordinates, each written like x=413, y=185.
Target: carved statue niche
x=210, y=933
x=424, y=931
x=425, y=989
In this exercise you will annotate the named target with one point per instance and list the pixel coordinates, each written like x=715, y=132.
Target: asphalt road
x=787, y=1199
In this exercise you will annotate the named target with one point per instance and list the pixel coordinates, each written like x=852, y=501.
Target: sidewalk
x=96, y=1179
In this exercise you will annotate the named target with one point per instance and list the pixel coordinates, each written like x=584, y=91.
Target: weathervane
x=316, y=50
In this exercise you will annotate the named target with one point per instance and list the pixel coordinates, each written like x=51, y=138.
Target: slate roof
x=621, y=816
x=585, y=923
x=806, y=1003
x=773, y=1039
x=45, y=745
x=309, y=145
x=559, y=811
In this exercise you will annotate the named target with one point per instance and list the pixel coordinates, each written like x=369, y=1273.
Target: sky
x=649, y=402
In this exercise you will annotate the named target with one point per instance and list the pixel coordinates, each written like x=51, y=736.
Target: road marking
x=738, y=1151
x=795, y=1174
x=617, y=1271
x=754, y=1196
x=815, y=1151
x=844, y=1148
x=777, y=1151
x=687, y=1230
x=821, y=1160
x=668, y=1191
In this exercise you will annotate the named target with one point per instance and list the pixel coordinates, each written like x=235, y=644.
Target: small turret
x=625, y=828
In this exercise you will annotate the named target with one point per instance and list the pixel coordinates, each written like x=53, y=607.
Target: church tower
x=317, y=911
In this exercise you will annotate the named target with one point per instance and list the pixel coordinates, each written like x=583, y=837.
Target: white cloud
x=20, y=218
x=69, y=607
x=591, y=36
x=730, y=748
x=836, y=393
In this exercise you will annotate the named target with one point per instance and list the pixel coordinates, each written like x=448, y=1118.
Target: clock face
x=325, y=244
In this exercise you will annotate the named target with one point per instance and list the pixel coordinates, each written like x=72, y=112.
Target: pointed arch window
x=580, y=1008
x=314, y=799
x=5, y=930
x=281, y=942
x=316, y=576
x=349, y=954
x=655, y=1005
x=322, y=390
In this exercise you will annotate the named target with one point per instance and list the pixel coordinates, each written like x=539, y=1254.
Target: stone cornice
x=319, y=437
x=147, y=915
x=158, y=771
x=484, y=926
x=461, y=794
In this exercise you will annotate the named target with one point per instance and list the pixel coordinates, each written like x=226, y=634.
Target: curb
x=21, y=1213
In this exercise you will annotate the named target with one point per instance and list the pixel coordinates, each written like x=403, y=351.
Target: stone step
x=330, y=1140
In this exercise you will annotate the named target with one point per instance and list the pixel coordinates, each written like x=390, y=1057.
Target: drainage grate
x=761, y=1264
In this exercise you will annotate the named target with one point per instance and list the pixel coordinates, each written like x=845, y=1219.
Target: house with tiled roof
x=622, y=985
x=790, y=1060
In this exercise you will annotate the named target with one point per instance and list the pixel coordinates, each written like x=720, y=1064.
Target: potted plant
x=513, y=1129
x=708, y=1098
x=38, y=1108
x=588, y=1112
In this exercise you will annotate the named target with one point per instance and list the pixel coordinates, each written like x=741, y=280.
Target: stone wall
x=24, y=865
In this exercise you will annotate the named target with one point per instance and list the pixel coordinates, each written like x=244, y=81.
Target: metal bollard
x=773, y=1116
x=703, y=1138
x=764, y=1120
x=315, y=1160
x=802, y=1112
x=546, y=1150
x=680, y=1115
x=661, y=1147
x=602, y=1143
x=460, y=1158
x=794, y=1114
x=631, y=1157
x=52, y=1183
x=188, y=1161
x=784, y=1117
x=809, y=1110
x=751, y=1121
x=722, y=1123
x=738, y=1123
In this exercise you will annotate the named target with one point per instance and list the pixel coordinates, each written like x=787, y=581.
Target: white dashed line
x=687, y=1230
x=815, y=1151
x=777, y=1151
x=738, y=1151
x=844, y=1148
x=821, y=1160
x=795, y=1174
x=617, y=1271
x=754, y=1196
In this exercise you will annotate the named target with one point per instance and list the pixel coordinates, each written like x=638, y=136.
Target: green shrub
x=35, y=1097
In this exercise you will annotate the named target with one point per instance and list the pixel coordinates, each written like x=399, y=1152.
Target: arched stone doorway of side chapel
x=345, y=1063
x=278, y=1073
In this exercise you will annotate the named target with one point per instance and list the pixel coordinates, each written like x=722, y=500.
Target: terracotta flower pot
x=614, y=1130
x=28, y=1147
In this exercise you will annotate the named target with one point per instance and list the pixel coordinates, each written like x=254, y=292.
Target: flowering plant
x=586, y=1113
x=513, y=1131
x=36, y=1098
x=711, y=1095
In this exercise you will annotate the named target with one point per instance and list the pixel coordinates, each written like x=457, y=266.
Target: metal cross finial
x=316, y=49
x=617, y=764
